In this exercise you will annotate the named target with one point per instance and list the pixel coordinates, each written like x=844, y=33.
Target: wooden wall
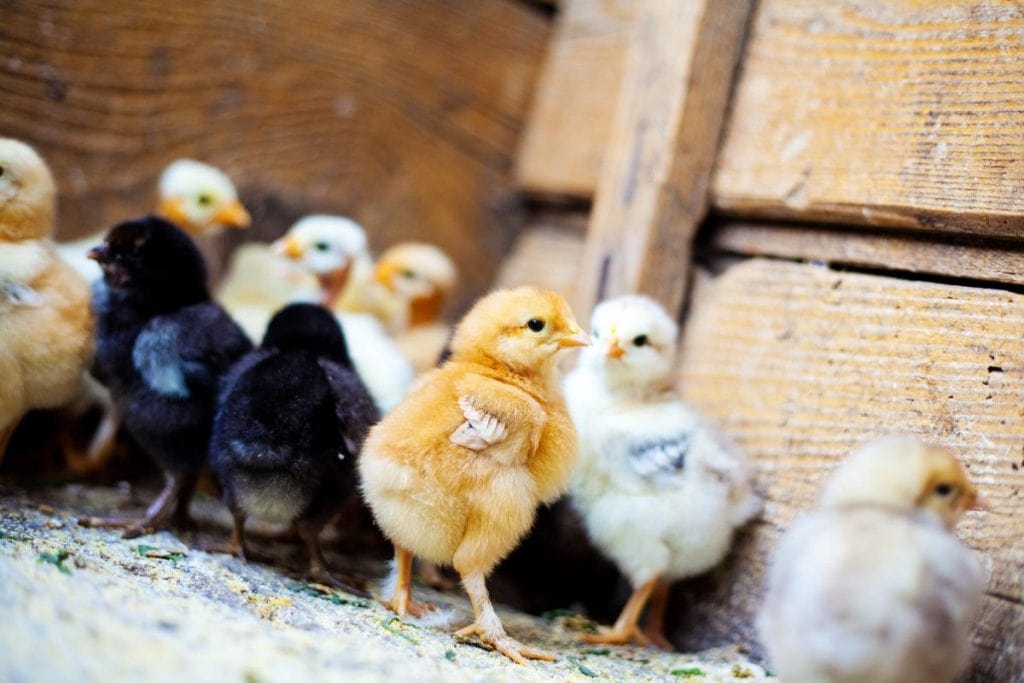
x=405, y=114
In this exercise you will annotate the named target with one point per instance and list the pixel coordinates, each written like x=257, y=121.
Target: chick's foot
x=494, y=636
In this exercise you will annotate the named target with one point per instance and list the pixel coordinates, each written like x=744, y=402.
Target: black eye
x=408, y=274
x=321, y=246
x=594, y=334
x=535, y=325
x=640, y=340
x=1, y=171
x=943, y=489
x=205, y=200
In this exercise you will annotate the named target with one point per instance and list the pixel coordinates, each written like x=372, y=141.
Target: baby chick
x=659, y=492
x=410, y=283
x=454, y=474
x=197, y=197
x=162, y=349
x=333, y=249
x=874, y=586
x=46, y=326
x=290, y=421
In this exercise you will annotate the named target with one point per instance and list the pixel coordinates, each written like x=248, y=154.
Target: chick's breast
x=426, y=491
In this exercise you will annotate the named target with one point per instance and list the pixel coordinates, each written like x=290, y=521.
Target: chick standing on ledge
x=658, y=491
x=290, y=421
x=454, y=474
x=874, y=586
x=162, y=348
x=46, y=327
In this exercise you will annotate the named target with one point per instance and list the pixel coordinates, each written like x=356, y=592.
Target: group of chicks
x=453, y=466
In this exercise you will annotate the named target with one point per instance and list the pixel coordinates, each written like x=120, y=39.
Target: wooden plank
x=894, y=113
x=571, y=118
x=653, y=188
x=546, y=255
x=405, y=114
x=910, y=252
x=801, y=363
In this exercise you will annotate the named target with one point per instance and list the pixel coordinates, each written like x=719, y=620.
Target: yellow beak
x=615, y=351
x=574, y=338
x=288, y=246
x=233, y=215
x=384, y=273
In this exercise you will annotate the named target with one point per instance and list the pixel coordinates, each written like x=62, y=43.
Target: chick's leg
x=318, y=564
x=655, y=626
x=401, y=603
x=625, y=628
x=488, y=627
x=157, y=513
x=101, y=447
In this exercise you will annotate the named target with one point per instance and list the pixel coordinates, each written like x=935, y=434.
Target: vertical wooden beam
x=653, y=188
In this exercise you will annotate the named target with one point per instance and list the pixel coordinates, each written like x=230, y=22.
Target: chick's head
x=904, y=472
x=152, y=260
x=323, y=245
x=634, y=342
x=27, y=193
x=420, y=275
x=200, y=198
x=520, y=328
x=307, y=327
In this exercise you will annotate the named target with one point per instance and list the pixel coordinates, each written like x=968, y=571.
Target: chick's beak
x=384, y=273
x=574, y=338
x=614, y=350
x=233, y=215
x=980, y=503
x=97, y=253
x=288, y=246
x=173, y=208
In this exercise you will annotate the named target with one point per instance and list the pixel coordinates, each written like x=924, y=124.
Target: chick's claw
x=407, y=606
x=503, y=643
x=617, y=636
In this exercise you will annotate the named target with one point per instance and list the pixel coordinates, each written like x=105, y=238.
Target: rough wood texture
x=800, y=364
x=880, y=112
x=912, y=253
x=653, y=188
x=405, y=114
x=571, y=118
x=545, y=256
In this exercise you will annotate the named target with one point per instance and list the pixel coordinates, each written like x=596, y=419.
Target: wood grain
x=894, y=113
x=571, y=118
x=545, y=256
x=653, y=187
x=908, y=252
x=801, y=364
x=405, y=114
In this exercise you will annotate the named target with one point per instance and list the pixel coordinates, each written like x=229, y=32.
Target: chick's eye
x=408, y=274
x=204, y=200
x=943, y=490
x=321, y=246
x=640, y=340
x=535, y=325
x=594, y=334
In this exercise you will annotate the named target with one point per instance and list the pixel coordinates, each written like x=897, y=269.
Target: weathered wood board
x=800, y=364
x=880, y=112
x=405, y=114
x=652, y=192
x=545, y=256
x=946, y=256
x=571, y=117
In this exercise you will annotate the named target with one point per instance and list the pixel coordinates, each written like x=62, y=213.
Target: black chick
x=162, y=348
x=292, y=417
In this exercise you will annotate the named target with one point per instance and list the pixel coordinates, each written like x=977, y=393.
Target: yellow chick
x=46, y=325
x=874, y=586
x=454, y=474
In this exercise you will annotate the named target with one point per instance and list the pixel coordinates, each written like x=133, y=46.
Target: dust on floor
x=81, y=604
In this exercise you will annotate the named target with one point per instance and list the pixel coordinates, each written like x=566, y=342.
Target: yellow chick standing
x=454, y=474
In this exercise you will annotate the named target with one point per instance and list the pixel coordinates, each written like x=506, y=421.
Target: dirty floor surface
x=81, y=604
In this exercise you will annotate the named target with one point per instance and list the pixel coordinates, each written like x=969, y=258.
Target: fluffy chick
x=333, y=249
x=162, y=348
x=46, y=325
x=197, y=197
x=874, y=586
x=290, y=421
x=455, y=473
x=660, y=492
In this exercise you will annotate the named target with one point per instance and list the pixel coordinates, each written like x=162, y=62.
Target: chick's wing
x=499, y=420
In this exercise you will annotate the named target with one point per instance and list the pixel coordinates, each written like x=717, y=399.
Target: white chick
x=660, y=493
x=874, y=586
x=333, y=249
x=197, y=197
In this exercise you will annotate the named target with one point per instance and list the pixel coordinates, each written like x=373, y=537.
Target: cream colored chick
x=873, y=586
x=333, y=249
x=455, y=473
x=659, y=492
x=46, y=325
x=197, y=197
